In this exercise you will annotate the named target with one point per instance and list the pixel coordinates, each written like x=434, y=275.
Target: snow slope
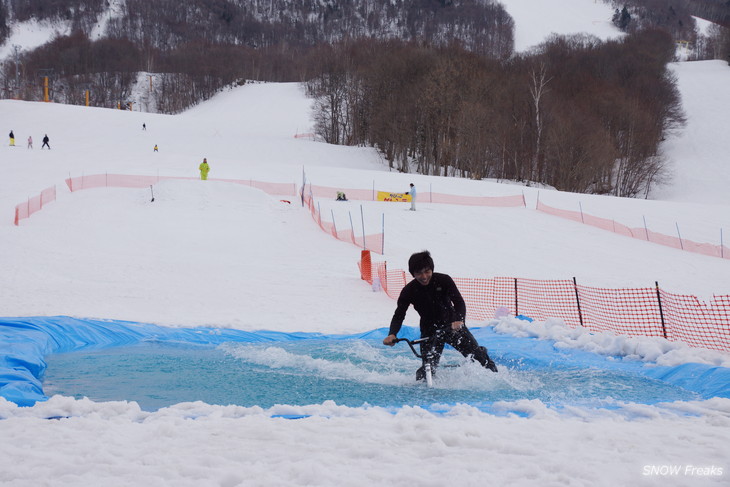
x=211, y=253
x=214, y=253
x=566, y=17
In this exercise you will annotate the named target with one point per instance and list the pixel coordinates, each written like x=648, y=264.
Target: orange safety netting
x=639, y=233
x=34, y=204
x=138, y=181
x=423, y=197
x=24, y=210
x=649, y=312
x=372, y=242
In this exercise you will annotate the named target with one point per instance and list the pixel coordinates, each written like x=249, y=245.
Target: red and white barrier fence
x=650, y=312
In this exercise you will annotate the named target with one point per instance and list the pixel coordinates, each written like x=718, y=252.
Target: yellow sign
x=401, y=197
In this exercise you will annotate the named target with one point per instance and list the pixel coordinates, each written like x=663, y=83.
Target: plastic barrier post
x=577, y=300
x=661, y=311
x=366, y=266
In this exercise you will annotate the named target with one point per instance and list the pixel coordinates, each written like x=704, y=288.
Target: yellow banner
x=402, y=197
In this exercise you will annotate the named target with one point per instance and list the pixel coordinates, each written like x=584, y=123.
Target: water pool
x=353, y=372
x=158, y=366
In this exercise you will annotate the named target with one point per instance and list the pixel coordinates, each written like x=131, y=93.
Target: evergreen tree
x=622, y=19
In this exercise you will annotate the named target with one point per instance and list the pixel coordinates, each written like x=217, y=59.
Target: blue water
x=351, y=372
x=159, y=366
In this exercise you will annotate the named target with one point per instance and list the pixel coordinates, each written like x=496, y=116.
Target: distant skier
x=155, y=147
x=144, y=126
x=204, y=169
x=341, y=196
x=412, y=192
x=45, y=142
x=30, y=142
x=12, y=138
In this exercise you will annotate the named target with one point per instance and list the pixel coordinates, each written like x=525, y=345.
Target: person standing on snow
x=12, y=138
x=45, y=142
x=442, y=310
x=30, y=142
x=204, y=169
x=412, y=192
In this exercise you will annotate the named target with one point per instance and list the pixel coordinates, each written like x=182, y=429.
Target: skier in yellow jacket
x=204, y=169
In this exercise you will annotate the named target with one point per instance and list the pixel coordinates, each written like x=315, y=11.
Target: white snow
x=535, y=20
x=219, y=254
x=31, y=34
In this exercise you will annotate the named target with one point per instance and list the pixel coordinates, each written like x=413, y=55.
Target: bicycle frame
x=428, y=372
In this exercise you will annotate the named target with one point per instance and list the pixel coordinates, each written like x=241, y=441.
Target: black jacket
x=438, y=304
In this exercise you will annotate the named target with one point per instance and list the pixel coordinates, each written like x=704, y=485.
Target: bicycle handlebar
x=411, y=344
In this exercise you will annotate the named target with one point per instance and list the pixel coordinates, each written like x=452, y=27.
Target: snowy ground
x=228, y=256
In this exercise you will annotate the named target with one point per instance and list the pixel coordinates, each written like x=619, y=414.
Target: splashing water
x=349, y=372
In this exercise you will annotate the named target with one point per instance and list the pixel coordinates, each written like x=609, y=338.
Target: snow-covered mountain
x=218, y=254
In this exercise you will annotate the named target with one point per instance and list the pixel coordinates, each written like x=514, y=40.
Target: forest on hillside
x=435, y=85
x=578, y=114
x=197, y=47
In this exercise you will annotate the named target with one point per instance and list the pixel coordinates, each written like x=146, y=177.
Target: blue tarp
x=25, y=342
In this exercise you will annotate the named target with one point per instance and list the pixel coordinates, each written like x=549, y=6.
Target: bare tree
x=538, y=87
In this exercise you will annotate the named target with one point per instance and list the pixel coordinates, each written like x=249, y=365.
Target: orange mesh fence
x=647, y=312
x=696, y=323
x=632, y=312
x=711, y=250
x=34, y=204
x=543, y=299
x=426, y=197
x=452, y=199
x=373, y=242
x=138, y=181
x=24, y=210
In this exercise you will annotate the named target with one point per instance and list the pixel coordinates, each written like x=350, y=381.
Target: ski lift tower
x=16, y=55
x=45, y=74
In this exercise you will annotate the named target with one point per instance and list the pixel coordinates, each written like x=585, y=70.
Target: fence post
x=681, y=245
x=334, y=226
x=517, y=309
x=661, y=311
x=577, y=300
x=352, y=228
x=646, y=229
x=581, y=212
x=17, y=219
x=362, y=218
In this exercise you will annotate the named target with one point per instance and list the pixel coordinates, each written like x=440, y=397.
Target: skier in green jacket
x=204, y=169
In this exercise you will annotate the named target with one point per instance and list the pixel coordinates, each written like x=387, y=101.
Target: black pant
x=462, y=341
